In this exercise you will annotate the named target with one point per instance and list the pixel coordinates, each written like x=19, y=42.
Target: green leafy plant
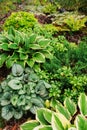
x=22, y=91
x=17, y=47
x=62, y=118
x=21, y=20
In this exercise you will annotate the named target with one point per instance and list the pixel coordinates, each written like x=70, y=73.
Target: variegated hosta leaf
x=70, y=105
x=48, y=115
x=81, y=123
x=29, y=125
x=43, y=43
x=82, y=103
x=39, y=57
x=43, y=127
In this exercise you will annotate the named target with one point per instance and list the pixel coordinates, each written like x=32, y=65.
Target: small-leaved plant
x=17, y=47
x=21, y=92
x=66, y=117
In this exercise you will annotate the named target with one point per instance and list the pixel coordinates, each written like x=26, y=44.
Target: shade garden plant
x=44, y=68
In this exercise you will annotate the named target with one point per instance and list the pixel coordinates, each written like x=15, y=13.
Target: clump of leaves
x=65, y=117
x=21, y=20
x=22, y=91
x=23, y=49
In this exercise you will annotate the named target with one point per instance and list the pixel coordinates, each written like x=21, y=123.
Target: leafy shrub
x=17, y=47
x=62, y=118
x=22, y=21
x=67, y=71
x=22, y=91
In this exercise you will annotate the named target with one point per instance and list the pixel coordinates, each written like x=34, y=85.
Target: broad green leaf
x=30, y=62
x=40, y=116
x=82, y=103
x=48, y=115
x=3, y=58
x=56, y=123
x=39, y=57
x=29, y=125
x=60, y=108
x=32, y=38
x=44, y=127
x=4, y=46
x=9, y=62
x=11, y=31
x=70, y=105
x=7, y=113
x=47, y=54
x=35, y=46
x=23, y=56
x=43, y=42
x=81, y=123
x=15, y=56
x=13, y=46
x=15, y=84
x=36, y=67
x=10, y=37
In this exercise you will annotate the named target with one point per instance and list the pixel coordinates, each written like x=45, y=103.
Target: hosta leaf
x=13, y=46
x=11, y=31
x=47, y=85
x=27, y=105
x=15, y=84
x=43, y=42
x=63, y=110
x=9, y=62
x=33, y=77
x=15, y=56
x=47, y=54
x=37, y=102
x=44, y=127
x=21, y=100
x=29, y=125
x=70, y=105
x=7, y=113
x=39, y=57
x=23, y=56
x=40, y=116
x=82, y=103
x=17, y=70
x=30, y=62
x=3, y=58
x=35, y=46
x=56, y=123
x=81, y=122
x=18, y=114
x=4, y=46
x=32, y=38
x=36, y=68
x=10, y=37
x=14, y=100
x=4, y=102
x=48, y=115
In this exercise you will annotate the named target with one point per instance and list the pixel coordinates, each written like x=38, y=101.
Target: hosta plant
x=22, y=91
x=61, y=119
x=23, y=49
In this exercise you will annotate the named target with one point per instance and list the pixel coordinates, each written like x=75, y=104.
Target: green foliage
x=17, y=47
x=21, y=20
x=22, y=91
x=61, y=118
x=67, y=71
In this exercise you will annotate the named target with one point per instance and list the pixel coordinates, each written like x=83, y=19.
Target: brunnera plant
x=21, y=92
x=17, y=47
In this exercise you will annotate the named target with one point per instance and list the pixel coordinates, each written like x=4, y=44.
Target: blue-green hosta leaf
x=70, y=105
x=4, y=46
x=21, y=100
x=40, y=117
x=27, y=105
x=7, y=113
x=47, y=85
x=5, y=102
x=15, y=84
x=43, y=43
x=39, y=57
x=3, y=58
x=33, y=109
x=17, y=70
x=33, y=77
x=47, y=54
x=81, y=123
x=37, y=102
x=56, y=123
x=18, y=114
x=13, y=46
x=14, y=100
x=29, y=125
x=82, y=103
